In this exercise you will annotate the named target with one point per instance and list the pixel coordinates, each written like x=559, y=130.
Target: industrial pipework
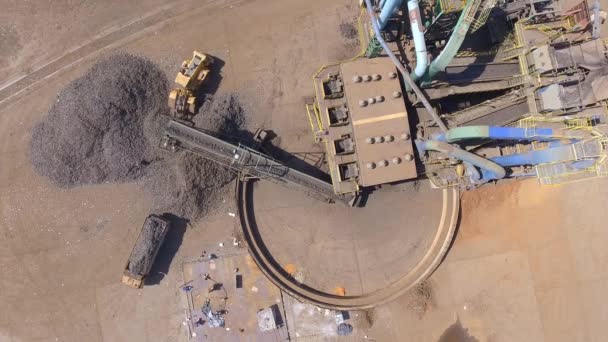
x=493, y=169
x=406, y=77
x=498, y=133
x=556, y=154
x=419, y=43
x=451, y=48
x=387, y=9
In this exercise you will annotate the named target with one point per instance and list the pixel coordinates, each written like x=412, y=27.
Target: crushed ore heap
x=151, y=236
x=94, y=131
x=106, y=125
x=222, y=114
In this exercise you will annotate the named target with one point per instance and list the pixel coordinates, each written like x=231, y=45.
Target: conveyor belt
x=498, y=112
x=455, y=74
x=247, y=161
x=479, y=87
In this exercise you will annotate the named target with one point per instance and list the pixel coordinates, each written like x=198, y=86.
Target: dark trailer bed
x=144, y=251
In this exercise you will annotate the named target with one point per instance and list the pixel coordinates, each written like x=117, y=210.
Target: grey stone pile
x=106, y=127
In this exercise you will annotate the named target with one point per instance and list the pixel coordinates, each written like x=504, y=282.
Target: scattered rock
x=419, y=299
x=348, y=30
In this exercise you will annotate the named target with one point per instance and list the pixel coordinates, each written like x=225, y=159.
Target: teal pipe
x=387, y=11
x=406, y=76
x=455, y=42
x=419, y=42
x=496, y=133
x=493, y=169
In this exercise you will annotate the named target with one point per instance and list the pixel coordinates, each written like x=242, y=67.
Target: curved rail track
x=271, y=268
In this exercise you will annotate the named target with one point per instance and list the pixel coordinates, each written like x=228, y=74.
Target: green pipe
x=458, y=134
x=455, y=42
x=406, y=77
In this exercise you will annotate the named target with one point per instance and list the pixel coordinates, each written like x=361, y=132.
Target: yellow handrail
x=325, y=66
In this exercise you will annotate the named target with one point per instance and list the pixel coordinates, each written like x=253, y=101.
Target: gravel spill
x=106, y=127
x=222, y=114
x=348, y=30
x=420, y=298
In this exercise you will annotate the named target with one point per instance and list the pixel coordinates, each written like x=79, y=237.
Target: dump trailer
x=144, y=252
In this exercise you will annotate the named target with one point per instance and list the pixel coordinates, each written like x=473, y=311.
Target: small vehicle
x=190, y=78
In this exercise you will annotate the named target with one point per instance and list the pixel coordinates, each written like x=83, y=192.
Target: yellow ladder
x=484, y=15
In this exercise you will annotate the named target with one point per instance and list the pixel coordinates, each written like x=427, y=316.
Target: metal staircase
x=484, y=14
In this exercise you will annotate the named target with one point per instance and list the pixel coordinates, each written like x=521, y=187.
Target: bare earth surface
x=528, y=263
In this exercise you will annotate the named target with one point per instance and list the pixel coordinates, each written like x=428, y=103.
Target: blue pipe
x=453, y=45
x=548, y=155
x=583, y=164
x=490, y=169
x=406, y=76
x=485, y=176
x=496, y=133
x=382, y=2
x=422, y=60
x=473, y=172
x=387, y=11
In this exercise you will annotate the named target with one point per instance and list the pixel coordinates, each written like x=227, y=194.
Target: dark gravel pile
x=150, y=238
x=222, y=114
x=186, y=185
x=106, y=127
x=94, y=131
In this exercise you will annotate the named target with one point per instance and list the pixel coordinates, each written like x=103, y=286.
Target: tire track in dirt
x=10, y=92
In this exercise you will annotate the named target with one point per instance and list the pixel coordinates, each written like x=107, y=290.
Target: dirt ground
x=526, y=266
x=528, y=263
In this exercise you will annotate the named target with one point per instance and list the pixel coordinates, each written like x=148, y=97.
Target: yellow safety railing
x=571, y=123
x=448, y=6
x=599, y=168
x=314, y=119
x=483, y=16
x=325, y=66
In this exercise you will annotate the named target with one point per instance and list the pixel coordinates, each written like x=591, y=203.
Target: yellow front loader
x=190, y=78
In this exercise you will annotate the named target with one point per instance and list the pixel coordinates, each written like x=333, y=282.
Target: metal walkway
x=498, y=111
x=246, y=161
x=456, y=74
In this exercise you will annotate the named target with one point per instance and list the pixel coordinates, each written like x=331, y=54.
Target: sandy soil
x=64, y=251
x=529, y=263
